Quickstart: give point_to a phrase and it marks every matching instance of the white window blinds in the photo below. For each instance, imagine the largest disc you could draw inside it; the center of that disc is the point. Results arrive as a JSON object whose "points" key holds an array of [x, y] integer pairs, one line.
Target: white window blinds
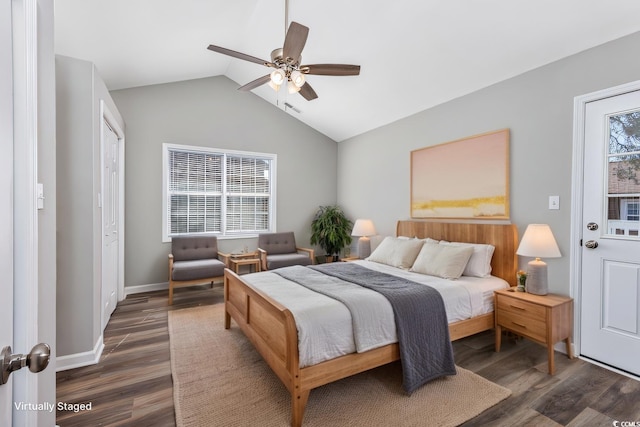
{"points": [[217, 191]]}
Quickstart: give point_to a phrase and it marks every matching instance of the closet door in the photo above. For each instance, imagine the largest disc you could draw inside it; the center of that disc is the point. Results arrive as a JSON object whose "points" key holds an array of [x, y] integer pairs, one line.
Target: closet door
{"points": [[110, 220]]}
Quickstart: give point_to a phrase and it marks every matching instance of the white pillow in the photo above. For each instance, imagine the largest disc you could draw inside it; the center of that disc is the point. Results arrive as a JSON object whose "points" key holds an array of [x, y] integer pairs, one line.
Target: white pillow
{"points": [[426, 239], [479, 264], [444, 261], [396, 252]]}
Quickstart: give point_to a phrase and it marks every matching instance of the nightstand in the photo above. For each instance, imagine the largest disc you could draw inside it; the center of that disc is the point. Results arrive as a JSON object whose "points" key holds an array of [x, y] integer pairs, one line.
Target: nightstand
{"points": [[349, 258], [545, 319]]}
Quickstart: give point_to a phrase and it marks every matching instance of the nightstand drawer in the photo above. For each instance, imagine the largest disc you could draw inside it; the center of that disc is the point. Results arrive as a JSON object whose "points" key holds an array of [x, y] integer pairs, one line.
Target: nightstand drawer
{"points": [[523, 308], [523, 324]]}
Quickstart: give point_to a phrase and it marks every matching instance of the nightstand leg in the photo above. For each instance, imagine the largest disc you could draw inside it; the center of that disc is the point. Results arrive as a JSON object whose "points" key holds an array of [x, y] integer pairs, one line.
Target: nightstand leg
{"points": [[498, 338], [552, 367], [569, 348]]}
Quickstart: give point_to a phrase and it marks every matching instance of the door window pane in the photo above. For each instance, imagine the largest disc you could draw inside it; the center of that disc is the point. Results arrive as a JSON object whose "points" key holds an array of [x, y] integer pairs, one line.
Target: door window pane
{"points": [[623, 183]]}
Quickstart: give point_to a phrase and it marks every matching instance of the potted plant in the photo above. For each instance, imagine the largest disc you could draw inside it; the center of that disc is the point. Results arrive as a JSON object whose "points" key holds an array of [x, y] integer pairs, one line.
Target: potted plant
{"points": [[331, 229]]}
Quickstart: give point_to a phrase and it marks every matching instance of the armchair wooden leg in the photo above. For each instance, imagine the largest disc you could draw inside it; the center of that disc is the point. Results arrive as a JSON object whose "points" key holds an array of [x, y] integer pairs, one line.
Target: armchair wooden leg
{"points": [[170, 293]]}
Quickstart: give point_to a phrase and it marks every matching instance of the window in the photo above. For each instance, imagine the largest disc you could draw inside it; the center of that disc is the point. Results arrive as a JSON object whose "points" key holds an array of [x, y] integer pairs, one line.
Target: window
{"points": [[228, 193], [631, 209]]}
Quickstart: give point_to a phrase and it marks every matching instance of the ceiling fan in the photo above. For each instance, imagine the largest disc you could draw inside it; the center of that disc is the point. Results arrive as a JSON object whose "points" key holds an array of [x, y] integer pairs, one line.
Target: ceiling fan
{"points": [[286, 64]]}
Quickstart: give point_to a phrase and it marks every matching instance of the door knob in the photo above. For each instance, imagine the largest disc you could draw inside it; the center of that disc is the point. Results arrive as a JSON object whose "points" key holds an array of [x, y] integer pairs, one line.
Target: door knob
{"points": [[591, 244], [37, 360]]}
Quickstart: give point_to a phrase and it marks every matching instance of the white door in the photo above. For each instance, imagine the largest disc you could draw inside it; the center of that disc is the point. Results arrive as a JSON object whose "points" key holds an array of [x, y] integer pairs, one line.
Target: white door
{"points": [[6, 202], [610, 290], [110, 221]]}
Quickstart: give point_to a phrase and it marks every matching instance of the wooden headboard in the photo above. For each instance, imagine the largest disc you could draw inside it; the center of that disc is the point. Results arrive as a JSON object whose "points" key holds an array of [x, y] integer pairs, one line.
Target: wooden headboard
{"points": [[504, 237]]}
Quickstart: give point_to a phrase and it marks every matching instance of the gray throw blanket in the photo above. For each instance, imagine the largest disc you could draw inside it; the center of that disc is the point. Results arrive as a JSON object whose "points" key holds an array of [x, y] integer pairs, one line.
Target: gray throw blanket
{"points": [[421, 320]]}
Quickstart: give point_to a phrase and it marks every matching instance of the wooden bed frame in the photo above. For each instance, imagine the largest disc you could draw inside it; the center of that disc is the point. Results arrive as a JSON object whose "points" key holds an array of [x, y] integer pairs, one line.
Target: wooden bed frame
{"points": [[272, 329]]}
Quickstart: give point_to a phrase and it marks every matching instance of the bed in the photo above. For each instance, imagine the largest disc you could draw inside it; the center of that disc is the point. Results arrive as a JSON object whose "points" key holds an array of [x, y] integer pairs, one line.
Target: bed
{"points": [[271, 327]]}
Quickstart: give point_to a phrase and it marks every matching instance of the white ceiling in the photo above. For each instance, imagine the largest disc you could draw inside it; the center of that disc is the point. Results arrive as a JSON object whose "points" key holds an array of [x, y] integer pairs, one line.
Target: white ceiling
{"points": [[414, 54]]}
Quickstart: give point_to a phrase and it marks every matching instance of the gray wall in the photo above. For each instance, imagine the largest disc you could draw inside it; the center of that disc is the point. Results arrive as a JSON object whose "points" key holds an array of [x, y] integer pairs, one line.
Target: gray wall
{"points": [[212, 113], [537, 107], [79, 90]]}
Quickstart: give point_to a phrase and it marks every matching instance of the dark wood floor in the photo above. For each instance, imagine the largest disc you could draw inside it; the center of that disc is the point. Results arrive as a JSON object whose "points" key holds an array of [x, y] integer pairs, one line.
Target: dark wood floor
{"points": [[131, 385]]}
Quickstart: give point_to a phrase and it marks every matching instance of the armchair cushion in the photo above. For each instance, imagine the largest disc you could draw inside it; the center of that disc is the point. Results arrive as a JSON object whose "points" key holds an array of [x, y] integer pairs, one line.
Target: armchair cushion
{"points": [[287, 260], [278, 243], [197, 269], [194, 247]]}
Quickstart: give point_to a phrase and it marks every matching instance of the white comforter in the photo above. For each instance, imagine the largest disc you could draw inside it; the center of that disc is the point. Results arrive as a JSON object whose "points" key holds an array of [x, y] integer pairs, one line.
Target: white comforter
{"points": [[325, 327]]}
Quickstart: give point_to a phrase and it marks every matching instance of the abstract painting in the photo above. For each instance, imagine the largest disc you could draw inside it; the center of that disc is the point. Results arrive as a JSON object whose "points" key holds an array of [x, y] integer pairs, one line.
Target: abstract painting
{"points": [[467, 178]]}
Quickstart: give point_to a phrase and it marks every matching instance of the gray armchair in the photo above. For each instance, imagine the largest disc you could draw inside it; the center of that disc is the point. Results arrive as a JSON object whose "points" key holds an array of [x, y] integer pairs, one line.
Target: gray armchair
{"points": [[194, 260], [279, 250]]}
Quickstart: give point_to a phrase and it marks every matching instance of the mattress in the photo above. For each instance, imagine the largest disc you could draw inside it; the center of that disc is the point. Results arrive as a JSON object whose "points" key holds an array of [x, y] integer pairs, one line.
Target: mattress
{"points": [[325, 329]]}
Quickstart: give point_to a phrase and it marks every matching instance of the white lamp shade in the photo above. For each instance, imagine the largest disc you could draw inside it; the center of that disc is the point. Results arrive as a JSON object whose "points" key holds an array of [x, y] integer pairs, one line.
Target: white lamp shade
{"points": [[297, 78], [538, 241], [363, 227], [278, 77], [292, 88]]}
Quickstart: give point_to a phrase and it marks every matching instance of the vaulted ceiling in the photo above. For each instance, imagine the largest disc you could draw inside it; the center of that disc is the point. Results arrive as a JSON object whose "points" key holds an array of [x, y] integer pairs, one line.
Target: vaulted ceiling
{"points": [[414, 54]]}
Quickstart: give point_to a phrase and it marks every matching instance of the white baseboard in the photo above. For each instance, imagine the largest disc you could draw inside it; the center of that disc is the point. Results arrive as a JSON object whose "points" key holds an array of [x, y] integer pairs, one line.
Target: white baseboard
{"points": [[130, 290], [561, 347], [78, 360]]}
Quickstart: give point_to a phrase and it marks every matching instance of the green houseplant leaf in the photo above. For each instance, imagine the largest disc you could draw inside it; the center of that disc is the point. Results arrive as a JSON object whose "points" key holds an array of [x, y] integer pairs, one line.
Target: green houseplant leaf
{"points": [[331, 229]]}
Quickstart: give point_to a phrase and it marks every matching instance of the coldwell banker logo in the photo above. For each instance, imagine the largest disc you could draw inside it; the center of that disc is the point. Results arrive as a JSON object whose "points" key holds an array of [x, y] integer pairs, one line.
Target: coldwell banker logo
{"points": [[626, 424]]}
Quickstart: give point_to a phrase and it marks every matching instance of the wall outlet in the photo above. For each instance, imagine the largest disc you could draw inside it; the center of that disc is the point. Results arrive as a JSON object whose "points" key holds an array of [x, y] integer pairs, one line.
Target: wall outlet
{"points": [[554, 202]]}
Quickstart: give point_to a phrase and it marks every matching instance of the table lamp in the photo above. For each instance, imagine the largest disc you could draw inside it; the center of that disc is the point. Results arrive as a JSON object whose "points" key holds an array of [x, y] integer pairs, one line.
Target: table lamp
{"points": [[363, 228], [538, 242]]}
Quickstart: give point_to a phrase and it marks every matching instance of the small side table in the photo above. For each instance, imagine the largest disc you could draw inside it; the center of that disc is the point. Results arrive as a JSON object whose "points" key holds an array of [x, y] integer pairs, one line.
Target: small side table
{"points": [[545, 319], [250, 259], [350, 258]]}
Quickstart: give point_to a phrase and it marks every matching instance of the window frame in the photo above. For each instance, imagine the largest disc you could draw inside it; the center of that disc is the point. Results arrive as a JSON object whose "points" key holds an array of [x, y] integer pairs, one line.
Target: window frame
{"points": [[223, 234]]}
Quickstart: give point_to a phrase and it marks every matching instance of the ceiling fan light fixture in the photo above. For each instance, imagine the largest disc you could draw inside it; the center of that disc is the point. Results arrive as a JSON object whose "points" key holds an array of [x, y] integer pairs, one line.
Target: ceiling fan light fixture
{"points": [[285, 63], [278, 77], [273, 85], [297, 78], [292, 87]]}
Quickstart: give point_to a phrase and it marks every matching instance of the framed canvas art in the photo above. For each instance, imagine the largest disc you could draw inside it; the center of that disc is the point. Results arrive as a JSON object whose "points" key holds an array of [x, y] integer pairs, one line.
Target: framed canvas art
{"points": [[466, 179]]}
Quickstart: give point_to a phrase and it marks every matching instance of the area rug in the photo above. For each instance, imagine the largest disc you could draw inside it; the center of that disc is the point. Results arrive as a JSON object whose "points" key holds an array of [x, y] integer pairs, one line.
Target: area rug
{"points": [[220, 380]]}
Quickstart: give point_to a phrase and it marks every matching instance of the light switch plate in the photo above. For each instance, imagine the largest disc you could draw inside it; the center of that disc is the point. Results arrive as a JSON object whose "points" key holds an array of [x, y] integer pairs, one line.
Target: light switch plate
{"points": [[554, 202]]}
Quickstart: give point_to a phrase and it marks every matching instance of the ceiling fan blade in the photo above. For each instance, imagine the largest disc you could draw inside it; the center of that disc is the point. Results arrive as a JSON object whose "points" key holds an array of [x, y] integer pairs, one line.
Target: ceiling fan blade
{"points": [[331, 69], [294, 41], [254, 84], [307, 92], [239, 55]]}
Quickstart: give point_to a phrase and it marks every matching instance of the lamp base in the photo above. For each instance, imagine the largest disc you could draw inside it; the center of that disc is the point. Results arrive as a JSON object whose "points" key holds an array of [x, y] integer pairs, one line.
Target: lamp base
{"points": [[537, 282], [364, 247]]}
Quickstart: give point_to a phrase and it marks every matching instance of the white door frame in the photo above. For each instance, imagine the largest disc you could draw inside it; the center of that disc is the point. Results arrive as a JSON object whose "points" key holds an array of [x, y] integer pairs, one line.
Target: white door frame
{"points": [[25, 174], [577, 187], [106, 114], [6, 202]]}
